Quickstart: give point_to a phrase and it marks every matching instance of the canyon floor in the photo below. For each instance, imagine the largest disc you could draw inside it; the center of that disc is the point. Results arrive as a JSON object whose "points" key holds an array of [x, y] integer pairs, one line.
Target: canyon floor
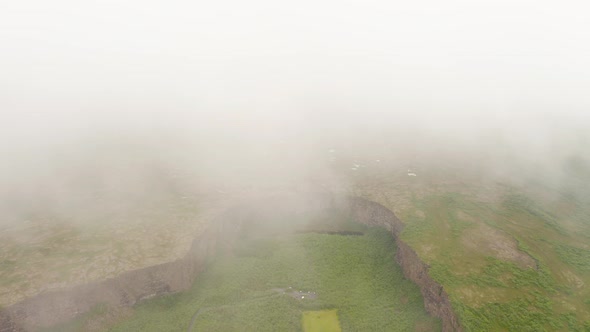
{"points": [[347, 282]]}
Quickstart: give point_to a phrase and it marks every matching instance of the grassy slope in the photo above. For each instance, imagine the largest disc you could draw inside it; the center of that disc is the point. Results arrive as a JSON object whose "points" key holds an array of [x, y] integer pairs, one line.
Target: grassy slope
{"points": [[51, 253], [494, 294], [354, 274], [443, 207]]}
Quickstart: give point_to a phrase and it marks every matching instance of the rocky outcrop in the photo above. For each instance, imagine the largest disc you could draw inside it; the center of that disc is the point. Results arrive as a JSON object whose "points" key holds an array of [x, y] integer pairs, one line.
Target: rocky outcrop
{"points": [[127, 289], [436, 300], [132, 287]]}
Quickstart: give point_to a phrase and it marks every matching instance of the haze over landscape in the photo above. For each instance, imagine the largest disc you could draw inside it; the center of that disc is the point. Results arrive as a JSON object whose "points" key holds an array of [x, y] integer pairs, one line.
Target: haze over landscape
{"points": [[129, 130]]}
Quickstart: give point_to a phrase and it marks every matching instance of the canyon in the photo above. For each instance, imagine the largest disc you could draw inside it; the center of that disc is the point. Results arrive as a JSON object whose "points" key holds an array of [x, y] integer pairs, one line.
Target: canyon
{"points": [[129, 288]]}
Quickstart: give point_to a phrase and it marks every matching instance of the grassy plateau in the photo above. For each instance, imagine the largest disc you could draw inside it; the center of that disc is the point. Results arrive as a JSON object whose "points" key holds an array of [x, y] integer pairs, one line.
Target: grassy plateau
{"points": [[511, 257]]}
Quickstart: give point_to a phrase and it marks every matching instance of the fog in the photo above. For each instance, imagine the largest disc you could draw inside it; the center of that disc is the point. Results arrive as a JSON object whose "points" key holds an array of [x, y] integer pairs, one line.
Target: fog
{"points": [[105, 94]]}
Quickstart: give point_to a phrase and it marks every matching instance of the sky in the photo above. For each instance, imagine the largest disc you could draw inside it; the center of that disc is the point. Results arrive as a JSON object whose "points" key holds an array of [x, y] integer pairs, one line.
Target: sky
{"points": [[513, 74]]}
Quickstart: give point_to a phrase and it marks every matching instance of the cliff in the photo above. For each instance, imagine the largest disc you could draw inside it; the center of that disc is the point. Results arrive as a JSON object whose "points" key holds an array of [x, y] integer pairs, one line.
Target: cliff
{"points": [[436, 300], [130, 288], [127, 289]]}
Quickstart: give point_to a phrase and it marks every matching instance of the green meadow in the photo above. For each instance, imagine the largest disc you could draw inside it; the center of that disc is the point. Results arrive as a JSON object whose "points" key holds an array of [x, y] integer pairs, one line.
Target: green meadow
{"points": [[508, 266], [294, 282]]}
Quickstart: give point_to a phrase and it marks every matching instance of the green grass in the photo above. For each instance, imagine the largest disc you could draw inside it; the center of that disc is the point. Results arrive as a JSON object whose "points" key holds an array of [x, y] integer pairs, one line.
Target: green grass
{"points": [[577, 257], [491, 294], [321, 321], [355, 275]]}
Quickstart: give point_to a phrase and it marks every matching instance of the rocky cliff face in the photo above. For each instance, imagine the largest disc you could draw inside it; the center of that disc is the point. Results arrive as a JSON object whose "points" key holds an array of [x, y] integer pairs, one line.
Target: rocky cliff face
{"points": [[130, 288], [436, 300], [126, 289]]}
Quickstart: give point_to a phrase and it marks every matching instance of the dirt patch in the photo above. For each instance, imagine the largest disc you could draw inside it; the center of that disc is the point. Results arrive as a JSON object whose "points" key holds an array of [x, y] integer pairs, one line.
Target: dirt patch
{"points": [[490, 241], [477, 297], [573, 279], [428, 251], [464, 216]]}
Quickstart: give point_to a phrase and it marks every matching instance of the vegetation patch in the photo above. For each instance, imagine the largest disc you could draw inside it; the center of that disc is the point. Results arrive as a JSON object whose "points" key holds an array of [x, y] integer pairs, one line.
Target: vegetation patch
{"points": [[507, 266], [321, 321], [304, 273], [576, 257]]}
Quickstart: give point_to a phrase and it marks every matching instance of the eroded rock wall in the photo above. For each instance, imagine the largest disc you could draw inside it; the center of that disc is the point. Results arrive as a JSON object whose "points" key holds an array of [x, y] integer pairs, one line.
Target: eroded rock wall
{"points": [[436, 300], [131, 287], [127, 289]]}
